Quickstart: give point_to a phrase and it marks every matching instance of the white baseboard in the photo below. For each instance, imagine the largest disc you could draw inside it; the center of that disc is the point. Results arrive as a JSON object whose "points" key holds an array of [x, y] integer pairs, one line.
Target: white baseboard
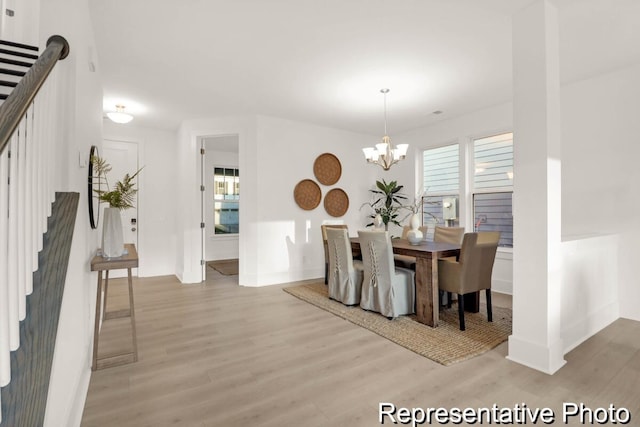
{"points": [[75, 416], [502, 286], [253, 280], [547, 359], [188, 277], [583, 328]]}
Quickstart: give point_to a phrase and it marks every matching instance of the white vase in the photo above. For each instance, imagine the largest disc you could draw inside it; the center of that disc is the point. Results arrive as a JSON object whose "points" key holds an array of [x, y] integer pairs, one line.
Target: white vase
{"points": [[414, 235], [112, 235], [377, 221]]}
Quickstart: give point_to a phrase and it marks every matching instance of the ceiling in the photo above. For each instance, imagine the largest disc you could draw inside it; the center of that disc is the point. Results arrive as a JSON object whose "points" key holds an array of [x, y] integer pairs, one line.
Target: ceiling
{"points": [[325, 62]]}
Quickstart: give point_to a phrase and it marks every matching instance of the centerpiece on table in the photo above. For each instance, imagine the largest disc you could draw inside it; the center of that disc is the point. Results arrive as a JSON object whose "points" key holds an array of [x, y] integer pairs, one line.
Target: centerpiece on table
{"points": [[415, 235], [119, 198]]}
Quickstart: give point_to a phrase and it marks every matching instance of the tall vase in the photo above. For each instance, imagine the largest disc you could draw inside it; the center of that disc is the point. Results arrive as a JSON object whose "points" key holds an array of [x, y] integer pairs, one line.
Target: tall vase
{"points": [[377, 222], [112, 235], [414, 235]]}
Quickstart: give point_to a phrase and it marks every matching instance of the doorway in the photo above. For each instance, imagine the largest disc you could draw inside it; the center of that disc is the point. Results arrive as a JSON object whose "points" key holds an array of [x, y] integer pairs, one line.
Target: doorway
{"points": [[123, 158], [220, 201]]}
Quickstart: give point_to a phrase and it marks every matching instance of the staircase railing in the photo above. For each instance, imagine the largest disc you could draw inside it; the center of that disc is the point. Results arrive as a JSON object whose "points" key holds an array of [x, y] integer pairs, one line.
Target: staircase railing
{"points": [[26, 189], [14, 108]]}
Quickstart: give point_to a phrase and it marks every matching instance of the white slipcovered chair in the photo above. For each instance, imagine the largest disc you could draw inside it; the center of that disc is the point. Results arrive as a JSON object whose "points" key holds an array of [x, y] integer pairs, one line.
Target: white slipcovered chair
{"points": [[386, 289], [324, 228], [345, 274]]}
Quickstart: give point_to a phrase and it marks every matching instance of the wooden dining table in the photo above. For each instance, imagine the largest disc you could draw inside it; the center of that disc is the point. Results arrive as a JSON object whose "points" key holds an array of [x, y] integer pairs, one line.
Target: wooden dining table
{"points": [[427, 255]]}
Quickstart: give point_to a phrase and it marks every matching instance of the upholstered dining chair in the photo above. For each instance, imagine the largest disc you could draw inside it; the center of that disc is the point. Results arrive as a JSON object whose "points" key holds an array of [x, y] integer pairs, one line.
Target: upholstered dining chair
{"points": [[472, 272], [448, 234], [453, 235], [406, 261], [323, 228], [386, 289], [345, 274]]}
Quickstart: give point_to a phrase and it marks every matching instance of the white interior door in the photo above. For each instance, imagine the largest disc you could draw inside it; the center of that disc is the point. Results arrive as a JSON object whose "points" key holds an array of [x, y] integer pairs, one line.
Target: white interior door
{"points": [[123, 158]]}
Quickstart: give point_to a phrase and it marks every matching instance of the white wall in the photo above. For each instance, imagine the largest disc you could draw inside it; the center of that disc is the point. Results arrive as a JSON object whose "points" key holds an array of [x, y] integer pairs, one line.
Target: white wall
{"points": [[188, 218], [600, 174], [156, 196], [221, 246], [288, 237], [79, 114], [461, 129], [280, 242], [22, 27], [590, 280]]}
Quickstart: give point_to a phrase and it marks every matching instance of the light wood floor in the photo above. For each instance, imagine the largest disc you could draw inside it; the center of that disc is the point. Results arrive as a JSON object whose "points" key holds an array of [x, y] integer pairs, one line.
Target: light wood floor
{"points": [[218, 354]]}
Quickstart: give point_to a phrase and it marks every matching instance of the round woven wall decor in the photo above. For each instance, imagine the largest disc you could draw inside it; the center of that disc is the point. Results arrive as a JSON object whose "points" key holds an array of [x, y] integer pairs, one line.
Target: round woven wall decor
{"points": [[327, 169], [336, 202], [307, 194]]}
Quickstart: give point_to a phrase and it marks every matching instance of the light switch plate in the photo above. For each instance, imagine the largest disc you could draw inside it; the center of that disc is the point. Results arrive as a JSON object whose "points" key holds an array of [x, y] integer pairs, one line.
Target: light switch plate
{"points": [[83, 159]]}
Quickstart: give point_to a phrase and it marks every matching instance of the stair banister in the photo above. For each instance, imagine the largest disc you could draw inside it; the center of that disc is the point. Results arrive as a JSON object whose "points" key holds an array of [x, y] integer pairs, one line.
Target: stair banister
{"points": [[27, 140], [14, 108]]}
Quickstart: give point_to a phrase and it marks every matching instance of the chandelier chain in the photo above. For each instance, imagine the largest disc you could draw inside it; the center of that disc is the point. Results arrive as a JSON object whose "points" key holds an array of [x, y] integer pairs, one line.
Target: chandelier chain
{"points": [[385, 111]]}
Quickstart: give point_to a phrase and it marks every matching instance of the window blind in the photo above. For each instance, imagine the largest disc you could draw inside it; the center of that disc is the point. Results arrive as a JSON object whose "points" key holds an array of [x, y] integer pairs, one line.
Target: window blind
{"points": [[493, 186], [493, 160], [441, 167]]}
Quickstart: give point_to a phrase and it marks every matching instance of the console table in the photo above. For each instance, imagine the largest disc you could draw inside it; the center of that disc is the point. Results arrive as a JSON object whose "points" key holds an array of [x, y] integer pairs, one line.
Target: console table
{"points": [[100, 264]]}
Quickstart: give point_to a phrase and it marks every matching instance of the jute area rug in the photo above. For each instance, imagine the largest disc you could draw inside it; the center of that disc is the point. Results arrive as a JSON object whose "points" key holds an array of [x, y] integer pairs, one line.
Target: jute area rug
{"points": [[228, 267], [446, 344]]}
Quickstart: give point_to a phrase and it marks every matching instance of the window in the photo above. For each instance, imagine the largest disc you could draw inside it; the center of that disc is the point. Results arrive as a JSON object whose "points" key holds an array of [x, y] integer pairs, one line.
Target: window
{"points": [[226, 196], [488, 186], [441, 167], [493, 186]]}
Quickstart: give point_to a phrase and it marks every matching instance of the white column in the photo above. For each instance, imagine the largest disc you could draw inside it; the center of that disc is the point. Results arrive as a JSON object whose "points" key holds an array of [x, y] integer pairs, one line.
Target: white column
{"points": [[536, 340]]}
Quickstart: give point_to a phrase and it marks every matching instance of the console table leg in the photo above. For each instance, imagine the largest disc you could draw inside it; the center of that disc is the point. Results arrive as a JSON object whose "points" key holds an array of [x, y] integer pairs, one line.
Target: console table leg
{"points": [[106, 292], [96, 327], [134, 337]]}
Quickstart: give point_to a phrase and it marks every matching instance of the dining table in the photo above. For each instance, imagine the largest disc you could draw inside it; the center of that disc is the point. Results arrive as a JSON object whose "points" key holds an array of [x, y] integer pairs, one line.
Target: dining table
{"points": [[427, 254]]}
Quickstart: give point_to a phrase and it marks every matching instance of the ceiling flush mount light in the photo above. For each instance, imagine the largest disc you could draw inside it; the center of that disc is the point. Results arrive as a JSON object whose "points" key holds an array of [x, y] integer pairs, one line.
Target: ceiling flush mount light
{"points": [[384, 154], [119, 116]]}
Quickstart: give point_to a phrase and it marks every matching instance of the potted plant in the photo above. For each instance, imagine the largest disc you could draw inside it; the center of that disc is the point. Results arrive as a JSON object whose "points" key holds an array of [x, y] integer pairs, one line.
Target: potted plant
{"points": [[120, 197], [387, 203]]}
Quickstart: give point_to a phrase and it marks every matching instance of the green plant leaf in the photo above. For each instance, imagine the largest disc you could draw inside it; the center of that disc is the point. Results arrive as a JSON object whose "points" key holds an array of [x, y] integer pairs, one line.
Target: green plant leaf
{"points": [[122, 195]]}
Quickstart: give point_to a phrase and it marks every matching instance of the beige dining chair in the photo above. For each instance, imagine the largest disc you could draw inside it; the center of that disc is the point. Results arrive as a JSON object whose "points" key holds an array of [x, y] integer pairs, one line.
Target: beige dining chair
{"points": [[448, 234], [345, 274], [453, 235], [406, 261], [323, 228], [472, 272], [386, 289]]}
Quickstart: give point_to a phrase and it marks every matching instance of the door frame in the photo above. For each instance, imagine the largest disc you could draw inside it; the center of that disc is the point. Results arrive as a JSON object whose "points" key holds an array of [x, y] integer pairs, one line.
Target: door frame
{"points": [[203, 194], [139, 203]]}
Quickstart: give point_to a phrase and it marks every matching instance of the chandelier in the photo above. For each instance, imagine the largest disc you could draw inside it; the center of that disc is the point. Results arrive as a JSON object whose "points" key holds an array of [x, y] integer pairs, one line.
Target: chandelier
{"points": [[384, 154]]}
